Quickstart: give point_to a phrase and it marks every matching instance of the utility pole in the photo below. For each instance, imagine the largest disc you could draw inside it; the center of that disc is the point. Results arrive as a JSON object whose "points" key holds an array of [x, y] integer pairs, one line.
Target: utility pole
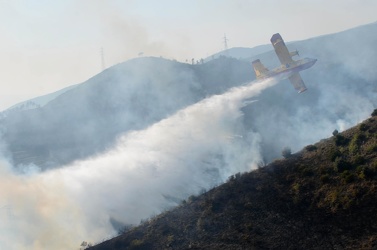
{"points": [[103, 60], [225, 42]]}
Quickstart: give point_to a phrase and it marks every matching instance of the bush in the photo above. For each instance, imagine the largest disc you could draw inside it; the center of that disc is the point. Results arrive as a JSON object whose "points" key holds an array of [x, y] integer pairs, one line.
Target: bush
{"points": [[356, 141], [137, 242], [358, 160], [360, 170], [335, 132], [310, 148], [307, 171], [340, 140], [372, 148], [348, 177], [286, 153], [370, 172], [334, 154], [363, 127], [325, 178], [192, 198], [261, 164], [125, 229], [374, 113], [342, 165]]}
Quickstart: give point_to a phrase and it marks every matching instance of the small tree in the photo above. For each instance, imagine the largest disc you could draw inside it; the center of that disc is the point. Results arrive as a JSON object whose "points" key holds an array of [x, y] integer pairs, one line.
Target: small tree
{"points": [[335, 132], [286, 152], [374, 112]]}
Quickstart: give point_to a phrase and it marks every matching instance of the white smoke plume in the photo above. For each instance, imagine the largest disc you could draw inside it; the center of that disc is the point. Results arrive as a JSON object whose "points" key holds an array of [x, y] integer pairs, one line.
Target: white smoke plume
{"points": [[146, 172]]}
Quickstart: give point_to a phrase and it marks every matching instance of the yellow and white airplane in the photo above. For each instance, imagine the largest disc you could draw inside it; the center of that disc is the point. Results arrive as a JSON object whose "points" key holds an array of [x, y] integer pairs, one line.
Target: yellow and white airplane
{"points": [[289, 68]]}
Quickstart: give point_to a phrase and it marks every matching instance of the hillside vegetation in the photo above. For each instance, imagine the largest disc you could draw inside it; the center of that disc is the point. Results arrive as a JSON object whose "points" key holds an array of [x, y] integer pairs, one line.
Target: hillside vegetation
{"points": [[323, 197]]}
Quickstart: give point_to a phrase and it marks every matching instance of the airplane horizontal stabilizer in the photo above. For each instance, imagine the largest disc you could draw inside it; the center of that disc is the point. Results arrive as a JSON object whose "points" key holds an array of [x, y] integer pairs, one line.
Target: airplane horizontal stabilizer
{"points": [[260, 69]]}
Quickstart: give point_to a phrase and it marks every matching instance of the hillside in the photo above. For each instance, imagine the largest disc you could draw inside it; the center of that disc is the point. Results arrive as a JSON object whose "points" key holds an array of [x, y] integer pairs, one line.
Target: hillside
{"points": [[36, 102], [322, 197], [88, 119]]}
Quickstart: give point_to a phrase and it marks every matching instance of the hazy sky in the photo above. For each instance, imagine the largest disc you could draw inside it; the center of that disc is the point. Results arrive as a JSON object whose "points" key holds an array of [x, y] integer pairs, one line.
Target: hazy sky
{"points": [[47, 45]]}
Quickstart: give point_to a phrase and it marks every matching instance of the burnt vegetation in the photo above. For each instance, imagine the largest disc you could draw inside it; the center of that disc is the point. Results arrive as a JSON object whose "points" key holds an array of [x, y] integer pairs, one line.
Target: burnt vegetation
{"points": [[323, 197]]}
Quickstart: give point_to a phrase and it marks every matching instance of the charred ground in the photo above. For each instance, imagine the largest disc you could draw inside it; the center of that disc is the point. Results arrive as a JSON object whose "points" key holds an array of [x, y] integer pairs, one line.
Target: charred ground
{"points": [[323, 197]]}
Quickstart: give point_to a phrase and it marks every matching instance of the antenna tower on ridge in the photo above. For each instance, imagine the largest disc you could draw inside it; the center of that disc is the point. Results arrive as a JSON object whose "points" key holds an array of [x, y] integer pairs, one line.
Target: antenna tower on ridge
{"points": [[225, 42]]}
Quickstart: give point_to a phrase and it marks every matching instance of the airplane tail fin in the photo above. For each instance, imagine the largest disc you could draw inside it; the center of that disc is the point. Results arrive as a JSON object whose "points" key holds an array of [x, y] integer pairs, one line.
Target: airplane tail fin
{"points": [[259, 68]]}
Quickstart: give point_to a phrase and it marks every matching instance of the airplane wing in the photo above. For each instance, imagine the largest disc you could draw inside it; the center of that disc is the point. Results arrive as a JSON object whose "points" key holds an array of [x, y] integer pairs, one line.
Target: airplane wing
{"points": [[297, 82], [281, 49]]}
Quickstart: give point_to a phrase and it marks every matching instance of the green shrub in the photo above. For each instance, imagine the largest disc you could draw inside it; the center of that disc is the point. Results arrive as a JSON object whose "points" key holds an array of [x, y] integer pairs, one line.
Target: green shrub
{"points": [[231, 178], [137, 242], [347, 176], [363, 127], [340, 140], [286, 153], [335, 132], [361, 176], [307, 171], [374, 113], [372, 148], [370, 172], [358, 160], [170, 239], [296, 188], [125, 229], [332, 197], [325, 178], [342, 165], [356, 141], [216, 206], [334, 153], [325, 169], [353, 148], [192, 198], [310, 148], [360, 170]]}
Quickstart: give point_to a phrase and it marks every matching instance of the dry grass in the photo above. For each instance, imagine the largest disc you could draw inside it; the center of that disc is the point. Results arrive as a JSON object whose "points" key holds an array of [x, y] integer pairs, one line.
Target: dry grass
{"points": [[323, 197]]}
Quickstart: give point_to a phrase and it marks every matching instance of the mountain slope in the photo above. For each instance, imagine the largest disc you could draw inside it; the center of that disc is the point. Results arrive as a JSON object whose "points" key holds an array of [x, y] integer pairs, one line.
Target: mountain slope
{"points": [[36, 102], [130, 96], [88, 119], [241, 53], [323, 197]]}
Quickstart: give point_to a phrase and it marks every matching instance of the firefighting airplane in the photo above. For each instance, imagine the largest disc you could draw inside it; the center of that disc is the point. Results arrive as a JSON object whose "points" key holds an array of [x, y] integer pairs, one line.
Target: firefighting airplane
{"points": [[289, 68]]}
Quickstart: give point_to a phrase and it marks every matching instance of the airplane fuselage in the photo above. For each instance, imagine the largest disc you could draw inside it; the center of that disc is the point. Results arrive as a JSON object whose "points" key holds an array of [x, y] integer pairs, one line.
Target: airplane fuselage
{"points": [[290, 68]]}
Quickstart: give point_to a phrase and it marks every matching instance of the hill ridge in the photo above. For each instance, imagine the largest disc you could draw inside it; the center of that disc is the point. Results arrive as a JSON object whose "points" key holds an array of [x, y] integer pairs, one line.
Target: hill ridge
{"points": [[322, 197]]}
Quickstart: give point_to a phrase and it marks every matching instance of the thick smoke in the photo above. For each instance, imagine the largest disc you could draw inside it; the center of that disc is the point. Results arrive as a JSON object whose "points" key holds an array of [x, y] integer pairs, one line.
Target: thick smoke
{"points": [[152, 168], [148, 171], [133, 95]]}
